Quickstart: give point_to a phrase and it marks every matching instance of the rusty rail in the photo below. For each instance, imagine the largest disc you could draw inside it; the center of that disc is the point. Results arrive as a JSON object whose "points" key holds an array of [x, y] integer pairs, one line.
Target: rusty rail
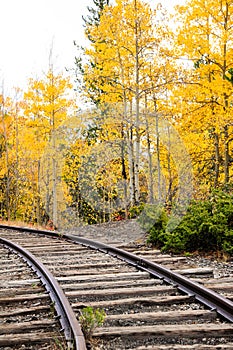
{"points": [[211, 299], [70, 326]]}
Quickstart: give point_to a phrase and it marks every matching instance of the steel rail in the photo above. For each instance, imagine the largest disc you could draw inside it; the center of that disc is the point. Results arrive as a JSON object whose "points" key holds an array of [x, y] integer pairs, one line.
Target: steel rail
{"points": [[216, 302], [70, 326]]}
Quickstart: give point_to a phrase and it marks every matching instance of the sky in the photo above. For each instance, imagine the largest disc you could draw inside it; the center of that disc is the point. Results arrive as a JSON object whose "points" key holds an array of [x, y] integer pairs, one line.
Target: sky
{"points": [[30, 28]]}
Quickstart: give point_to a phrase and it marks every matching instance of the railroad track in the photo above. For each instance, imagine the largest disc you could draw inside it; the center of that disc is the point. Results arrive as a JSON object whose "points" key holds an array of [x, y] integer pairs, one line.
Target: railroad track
{"points": [[34, 310], [147, 306]]}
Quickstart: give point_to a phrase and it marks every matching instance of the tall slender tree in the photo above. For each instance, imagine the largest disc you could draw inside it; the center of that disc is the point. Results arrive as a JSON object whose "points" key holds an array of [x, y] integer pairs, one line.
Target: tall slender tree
{"points": [[91, 22], [205, 40], [48, 105], [127, 53]]}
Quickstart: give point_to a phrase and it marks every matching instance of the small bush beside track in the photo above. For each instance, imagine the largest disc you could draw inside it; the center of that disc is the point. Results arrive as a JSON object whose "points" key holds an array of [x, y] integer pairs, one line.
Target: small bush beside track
{"points": [[206, 226]]}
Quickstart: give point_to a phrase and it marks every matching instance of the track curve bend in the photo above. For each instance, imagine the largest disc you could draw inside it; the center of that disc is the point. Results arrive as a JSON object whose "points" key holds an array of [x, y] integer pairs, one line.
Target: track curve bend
{"points": [[147, 305], [69, 325]]}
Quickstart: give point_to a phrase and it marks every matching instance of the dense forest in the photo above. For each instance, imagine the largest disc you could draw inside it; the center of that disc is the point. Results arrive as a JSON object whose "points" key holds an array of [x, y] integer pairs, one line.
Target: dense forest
{"points": [[154, 138]]}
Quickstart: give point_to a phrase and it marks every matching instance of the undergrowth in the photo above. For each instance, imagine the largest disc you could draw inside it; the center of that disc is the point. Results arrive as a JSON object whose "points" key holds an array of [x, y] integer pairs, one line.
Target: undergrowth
{"points": [[207, 226], [90, 319]]}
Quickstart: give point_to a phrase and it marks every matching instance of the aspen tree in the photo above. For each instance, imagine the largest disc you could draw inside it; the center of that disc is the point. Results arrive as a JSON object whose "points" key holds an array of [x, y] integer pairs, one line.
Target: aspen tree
{"points": [[205, 39], [6, 166], [124, 49], [48, 105], [11, 170]]}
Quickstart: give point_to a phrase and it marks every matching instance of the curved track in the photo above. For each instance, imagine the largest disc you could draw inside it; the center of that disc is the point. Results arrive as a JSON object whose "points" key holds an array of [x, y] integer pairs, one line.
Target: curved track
{"points": [[163, 312], [59, 305]]}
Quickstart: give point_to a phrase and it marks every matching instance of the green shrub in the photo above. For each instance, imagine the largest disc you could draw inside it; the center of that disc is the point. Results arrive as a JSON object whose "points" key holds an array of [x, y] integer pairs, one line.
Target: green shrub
{"points": [[154, 219], [90, 319], [227, 243], [207, 226], [135, 211]]}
